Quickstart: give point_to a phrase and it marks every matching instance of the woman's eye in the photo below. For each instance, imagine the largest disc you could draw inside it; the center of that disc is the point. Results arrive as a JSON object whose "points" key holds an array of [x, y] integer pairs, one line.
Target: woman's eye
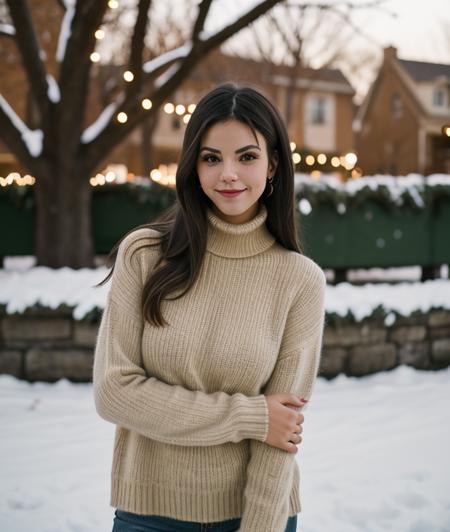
{"points": [[208, 158], [212, 158]]}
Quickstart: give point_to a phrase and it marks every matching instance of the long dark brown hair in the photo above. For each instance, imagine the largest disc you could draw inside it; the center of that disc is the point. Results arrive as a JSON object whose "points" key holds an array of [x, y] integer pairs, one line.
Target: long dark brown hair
{"points": [[183, 226]]}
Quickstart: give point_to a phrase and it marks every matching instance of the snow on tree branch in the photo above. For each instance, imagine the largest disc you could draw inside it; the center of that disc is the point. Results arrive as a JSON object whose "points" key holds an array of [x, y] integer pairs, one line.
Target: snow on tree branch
{"points": [[53, 89], [92, 132], [167, 74], [65, 31], [166, 58], [7, 30], [32, 138]]}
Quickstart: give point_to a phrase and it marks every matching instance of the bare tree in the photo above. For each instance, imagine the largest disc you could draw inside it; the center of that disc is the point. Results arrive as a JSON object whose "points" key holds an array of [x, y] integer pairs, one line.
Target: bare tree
{"points": [[60, 153], [312, 33]]}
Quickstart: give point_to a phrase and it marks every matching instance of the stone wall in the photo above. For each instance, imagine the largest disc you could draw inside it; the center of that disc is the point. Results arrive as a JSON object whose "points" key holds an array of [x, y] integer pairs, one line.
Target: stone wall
{"points": [[48, 345]]}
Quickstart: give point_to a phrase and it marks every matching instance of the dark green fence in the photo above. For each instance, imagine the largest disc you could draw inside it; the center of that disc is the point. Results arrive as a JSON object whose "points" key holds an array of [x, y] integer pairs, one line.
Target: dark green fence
{"points": [[370, 233]]}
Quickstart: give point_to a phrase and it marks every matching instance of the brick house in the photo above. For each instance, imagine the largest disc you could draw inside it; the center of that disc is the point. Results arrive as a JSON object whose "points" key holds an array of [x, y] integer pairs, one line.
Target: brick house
{"points": [[317, 106], [399, 126]]}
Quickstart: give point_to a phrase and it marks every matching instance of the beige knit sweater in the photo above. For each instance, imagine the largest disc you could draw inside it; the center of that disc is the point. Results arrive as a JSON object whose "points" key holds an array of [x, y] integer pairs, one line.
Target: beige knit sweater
{"points": [[188, 399]]}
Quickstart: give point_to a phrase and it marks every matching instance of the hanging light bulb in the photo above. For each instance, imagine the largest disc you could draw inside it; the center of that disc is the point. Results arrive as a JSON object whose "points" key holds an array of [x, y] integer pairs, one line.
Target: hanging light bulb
{"points": [[122, 117], [128, 76]]}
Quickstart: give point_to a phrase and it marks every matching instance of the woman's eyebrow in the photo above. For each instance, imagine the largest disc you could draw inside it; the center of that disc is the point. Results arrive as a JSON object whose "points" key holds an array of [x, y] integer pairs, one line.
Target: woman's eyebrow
{"points": [[237, 151]]}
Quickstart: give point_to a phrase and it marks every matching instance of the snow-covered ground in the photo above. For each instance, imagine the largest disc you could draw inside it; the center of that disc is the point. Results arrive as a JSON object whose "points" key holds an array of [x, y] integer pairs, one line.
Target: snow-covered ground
{"points": [[374, 457]]}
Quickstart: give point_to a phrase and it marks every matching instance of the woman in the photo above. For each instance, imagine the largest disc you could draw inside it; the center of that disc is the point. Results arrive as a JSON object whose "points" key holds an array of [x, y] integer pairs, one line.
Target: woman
{"points": [[205, 386]]}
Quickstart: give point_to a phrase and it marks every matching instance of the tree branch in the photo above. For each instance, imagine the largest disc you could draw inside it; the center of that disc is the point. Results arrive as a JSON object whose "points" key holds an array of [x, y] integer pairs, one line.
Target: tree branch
{"points": [[137, 46], [28, 46], [203, 10], [13, 139], [114, 132], [75, 69]]}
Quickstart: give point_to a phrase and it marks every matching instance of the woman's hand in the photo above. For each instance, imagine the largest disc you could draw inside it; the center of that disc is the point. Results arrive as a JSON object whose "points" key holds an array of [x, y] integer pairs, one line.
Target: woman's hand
{"points": [[285, 422]]}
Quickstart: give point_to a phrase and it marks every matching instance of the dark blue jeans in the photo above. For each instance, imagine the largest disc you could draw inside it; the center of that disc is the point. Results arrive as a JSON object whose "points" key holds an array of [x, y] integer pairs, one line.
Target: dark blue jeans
{"points": [[130, 522]]}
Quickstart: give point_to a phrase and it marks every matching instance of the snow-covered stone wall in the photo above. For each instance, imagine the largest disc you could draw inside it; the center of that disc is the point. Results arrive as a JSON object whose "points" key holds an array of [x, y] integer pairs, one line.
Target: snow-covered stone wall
{"points": [[50, 345]]}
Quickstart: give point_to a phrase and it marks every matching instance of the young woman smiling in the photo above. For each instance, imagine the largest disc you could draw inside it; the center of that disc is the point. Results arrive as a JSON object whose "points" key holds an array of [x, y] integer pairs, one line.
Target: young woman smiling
{"points": [[210, 340]]}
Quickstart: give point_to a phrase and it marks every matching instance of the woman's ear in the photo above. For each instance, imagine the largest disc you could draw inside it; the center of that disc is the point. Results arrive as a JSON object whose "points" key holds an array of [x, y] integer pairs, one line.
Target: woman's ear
{"points": [[273, 163]]}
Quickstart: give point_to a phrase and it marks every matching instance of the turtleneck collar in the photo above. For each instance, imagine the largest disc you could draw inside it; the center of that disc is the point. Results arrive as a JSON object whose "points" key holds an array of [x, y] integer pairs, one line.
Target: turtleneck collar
{"points": [[238, 240]]}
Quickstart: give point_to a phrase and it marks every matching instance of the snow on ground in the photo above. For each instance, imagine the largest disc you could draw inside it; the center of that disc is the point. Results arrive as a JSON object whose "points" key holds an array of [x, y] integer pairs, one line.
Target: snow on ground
{"points": [[374, 456]]}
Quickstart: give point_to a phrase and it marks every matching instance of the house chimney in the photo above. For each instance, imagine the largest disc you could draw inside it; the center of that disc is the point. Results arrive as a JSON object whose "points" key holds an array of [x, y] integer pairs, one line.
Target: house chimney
{"points": [[390, 52]]}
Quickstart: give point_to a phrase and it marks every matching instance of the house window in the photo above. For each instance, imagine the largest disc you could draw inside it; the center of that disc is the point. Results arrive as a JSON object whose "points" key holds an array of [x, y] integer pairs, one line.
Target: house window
{"points": [[439, 98], [318, 110], [396, 105]]}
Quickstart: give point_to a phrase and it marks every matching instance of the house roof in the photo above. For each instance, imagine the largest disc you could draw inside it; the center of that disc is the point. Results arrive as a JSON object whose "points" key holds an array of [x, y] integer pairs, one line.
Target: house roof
{"points": [[218, 66], [421, 71]]}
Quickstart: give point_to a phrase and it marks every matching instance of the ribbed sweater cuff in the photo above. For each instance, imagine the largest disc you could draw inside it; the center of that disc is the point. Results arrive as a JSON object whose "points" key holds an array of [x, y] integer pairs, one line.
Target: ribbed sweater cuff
{"points": [[254, 418]]}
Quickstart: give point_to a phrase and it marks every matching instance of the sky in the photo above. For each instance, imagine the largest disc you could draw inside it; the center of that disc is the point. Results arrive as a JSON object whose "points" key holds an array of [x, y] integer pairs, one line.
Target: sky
{"points": [[420, 30]]}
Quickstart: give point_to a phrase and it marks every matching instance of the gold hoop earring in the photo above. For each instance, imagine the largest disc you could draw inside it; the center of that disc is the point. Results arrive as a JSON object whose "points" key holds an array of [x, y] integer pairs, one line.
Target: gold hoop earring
{"points": [[270, 181]]}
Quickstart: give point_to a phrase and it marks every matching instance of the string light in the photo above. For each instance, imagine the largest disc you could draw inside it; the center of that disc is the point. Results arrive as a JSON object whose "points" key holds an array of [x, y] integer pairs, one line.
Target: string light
{"points": [[186, 118], [95, 57], [99, 34], [169, 108], [128, 76], [310, 160], [164, 174], [321, 158], [293, 146], [146, 104], [180, 109], [113, 4], [296, 157], [15, 177], [191, 107], [122, 117], [335, 161]]}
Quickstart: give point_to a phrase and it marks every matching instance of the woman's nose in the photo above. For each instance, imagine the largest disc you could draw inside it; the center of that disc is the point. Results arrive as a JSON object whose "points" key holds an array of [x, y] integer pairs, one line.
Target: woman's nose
{"points": [[229, 171]]}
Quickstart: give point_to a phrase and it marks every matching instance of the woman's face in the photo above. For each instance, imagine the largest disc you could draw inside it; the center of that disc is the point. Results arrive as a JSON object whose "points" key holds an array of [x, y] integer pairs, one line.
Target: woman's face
{"points": [[231, 159]]}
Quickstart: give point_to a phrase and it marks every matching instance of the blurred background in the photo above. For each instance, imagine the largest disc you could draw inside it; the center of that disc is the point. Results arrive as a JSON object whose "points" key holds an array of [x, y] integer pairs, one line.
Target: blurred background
{"points": [[95, 96]]}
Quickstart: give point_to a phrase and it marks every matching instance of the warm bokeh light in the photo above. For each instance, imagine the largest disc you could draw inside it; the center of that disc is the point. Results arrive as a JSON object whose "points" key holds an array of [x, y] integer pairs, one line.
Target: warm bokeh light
{"points": [[95, 57], [122, 117], [146, 104], [99, 34], [321, 158], [296, 157], [169, 108], [128, 76], [335, 161], [180, 109], [310, 160]]}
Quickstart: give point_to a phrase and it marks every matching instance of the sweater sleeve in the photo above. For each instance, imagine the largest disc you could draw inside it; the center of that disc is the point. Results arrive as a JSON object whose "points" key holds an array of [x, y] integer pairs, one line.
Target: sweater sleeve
{"points": [[270, 470], [127, 396]]}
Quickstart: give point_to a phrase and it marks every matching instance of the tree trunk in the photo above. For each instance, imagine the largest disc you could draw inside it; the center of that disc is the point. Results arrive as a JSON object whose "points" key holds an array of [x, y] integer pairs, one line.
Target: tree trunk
{"points": [[147, 149], [64, 235]]}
